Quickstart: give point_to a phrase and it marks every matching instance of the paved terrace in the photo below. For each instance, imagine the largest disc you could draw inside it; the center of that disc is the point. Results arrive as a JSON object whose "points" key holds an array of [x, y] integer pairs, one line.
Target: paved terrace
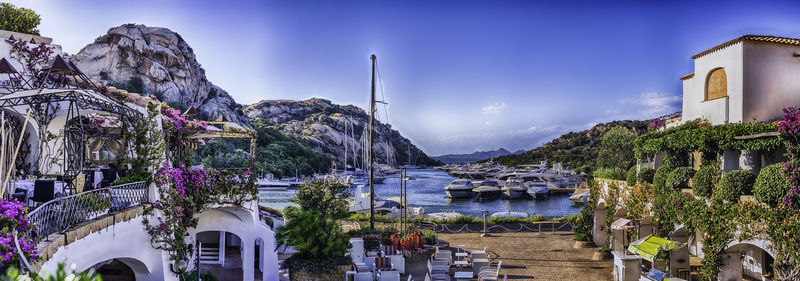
{"points": [[528, 256]]}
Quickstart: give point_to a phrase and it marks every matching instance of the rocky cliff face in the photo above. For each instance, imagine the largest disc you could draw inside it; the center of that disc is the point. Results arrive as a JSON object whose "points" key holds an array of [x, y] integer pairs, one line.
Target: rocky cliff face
{"points": [[165, 64], [167, 67], [330, 128]]}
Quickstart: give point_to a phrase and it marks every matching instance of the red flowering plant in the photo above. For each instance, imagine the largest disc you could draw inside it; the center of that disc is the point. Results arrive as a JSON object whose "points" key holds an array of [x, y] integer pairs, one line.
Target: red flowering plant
{"points": [[177, 130], [14, 217], [186, 192]]}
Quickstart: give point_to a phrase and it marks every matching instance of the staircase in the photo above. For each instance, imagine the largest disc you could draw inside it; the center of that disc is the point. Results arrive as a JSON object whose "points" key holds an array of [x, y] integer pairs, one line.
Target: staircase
{"points": [[209, 254]]}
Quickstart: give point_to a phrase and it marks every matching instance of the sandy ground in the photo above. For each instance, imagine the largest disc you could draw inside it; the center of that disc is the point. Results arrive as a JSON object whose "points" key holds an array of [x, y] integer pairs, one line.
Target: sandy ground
{"points": [[528, 256]]}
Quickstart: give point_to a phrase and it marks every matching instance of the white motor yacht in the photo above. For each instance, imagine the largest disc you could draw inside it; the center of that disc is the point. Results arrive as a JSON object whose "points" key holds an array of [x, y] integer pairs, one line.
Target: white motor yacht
{"points": [[514, 189], [488, 189], [459, 188]]}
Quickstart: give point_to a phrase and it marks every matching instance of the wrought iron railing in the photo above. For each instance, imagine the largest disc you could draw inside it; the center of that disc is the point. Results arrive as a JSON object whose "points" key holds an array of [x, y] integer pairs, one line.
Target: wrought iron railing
{"points": [[60, 214]]}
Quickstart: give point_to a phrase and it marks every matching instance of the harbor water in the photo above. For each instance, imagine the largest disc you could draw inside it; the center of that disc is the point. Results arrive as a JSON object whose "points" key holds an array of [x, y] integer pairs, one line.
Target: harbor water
{"points": [[427, 190]]}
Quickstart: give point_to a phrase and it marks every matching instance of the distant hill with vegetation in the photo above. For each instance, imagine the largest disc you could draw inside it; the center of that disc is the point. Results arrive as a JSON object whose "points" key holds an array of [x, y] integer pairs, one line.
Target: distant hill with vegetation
{"points": [[475, 156], [574, 149]]}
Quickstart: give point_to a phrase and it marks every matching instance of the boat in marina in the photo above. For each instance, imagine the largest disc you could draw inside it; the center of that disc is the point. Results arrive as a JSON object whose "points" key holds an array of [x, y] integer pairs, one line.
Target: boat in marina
{"points": [[514, 189], [487, 190], [579, 197], [538, 190], [459, 188]]}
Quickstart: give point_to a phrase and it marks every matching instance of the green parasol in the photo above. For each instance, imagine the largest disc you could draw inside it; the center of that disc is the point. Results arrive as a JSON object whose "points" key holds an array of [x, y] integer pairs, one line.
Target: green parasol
{"points": [[649, 246]]}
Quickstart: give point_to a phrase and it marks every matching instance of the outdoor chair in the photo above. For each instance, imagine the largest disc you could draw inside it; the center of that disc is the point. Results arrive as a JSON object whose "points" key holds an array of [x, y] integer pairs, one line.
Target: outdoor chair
{"points": [[362, 272], [80, 182], [438, 269], [390, 250], [491, 271], [21, 195], [109, 176], [43, 191], [398, 262], [388, 275]]}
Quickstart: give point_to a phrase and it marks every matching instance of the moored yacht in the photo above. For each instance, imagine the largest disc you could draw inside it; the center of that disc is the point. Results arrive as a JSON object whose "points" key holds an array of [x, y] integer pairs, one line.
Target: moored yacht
{"points": [[538, 190], [488, 189], [459, 188], [514, 189]]}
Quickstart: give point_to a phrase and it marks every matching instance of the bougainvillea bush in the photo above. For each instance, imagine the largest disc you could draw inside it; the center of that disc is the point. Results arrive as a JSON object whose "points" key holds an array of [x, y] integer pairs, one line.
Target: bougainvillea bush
{"points": [[177, 130], [14, 217], [185, 192]]}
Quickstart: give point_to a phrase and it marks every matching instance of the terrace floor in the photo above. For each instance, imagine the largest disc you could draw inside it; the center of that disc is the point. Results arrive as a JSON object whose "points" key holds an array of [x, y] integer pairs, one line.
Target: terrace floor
{"points": [[528, 256]]}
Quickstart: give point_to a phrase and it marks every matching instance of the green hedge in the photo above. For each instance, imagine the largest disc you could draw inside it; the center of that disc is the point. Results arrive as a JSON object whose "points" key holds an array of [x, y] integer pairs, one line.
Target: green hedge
{"points": [[704, 180], [611, 173], [660, 176], [734, 184], [771, 185], [679, 178], [631, 177], [645, 175]]}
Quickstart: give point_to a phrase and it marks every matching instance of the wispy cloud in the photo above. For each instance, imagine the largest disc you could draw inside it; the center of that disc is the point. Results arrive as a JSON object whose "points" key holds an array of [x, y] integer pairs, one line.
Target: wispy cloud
{"points": [[494, 109], [650, 105]]}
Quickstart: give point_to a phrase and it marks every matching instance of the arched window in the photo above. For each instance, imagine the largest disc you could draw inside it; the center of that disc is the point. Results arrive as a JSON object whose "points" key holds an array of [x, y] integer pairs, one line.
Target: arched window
{"points": [[716, 84]]}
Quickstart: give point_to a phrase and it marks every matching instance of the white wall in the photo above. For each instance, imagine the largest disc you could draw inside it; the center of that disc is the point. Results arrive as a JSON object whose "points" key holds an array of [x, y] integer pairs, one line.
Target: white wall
{"points": [[771, 81], [694, 104], [126, 241]]}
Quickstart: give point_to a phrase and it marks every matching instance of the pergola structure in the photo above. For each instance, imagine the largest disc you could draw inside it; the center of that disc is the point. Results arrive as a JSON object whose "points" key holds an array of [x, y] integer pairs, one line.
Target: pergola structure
{"points": [[222, 129], [62, 93]]}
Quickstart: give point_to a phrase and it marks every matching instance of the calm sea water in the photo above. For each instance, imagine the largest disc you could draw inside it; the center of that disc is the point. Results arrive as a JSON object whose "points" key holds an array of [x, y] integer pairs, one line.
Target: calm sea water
{"points": [[427, 191]]}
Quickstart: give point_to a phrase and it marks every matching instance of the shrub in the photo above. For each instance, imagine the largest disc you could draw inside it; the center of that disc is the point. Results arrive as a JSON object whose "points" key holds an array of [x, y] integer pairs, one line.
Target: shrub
{"points": [[631, 177], [617, 148], [430, 237], [677, 159], [770, 186], [583, 225], [20, 19], [645, 175], [610, 173], [660, 176], [704, 180], [733, 184], [679, 178]]}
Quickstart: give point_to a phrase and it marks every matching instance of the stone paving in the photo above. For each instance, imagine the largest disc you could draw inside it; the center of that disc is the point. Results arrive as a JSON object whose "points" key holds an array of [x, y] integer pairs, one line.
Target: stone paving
{"points": [[528, 256]]}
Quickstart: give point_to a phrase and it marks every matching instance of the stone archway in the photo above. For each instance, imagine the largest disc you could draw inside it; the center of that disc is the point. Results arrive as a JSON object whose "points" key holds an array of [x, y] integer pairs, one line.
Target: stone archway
{"points": [[746, 260], [121, 269]]}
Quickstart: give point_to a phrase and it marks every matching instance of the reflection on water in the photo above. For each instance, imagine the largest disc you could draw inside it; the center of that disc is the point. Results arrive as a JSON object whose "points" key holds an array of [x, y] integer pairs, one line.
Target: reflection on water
{"points": [[427, 191]]}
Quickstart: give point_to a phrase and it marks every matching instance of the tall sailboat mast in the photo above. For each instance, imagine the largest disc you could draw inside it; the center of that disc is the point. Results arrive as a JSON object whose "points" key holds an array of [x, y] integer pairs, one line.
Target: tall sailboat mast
{"points": [[371, 153]]}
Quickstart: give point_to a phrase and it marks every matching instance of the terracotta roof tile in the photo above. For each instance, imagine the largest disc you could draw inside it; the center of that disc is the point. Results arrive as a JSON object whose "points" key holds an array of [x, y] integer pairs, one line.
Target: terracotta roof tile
{"points": [[687, 76], [756, 38]]}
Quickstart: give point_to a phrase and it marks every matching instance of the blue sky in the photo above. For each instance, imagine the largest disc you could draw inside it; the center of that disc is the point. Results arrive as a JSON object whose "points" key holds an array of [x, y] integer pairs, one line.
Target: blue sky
{"points": [[459, 76]]}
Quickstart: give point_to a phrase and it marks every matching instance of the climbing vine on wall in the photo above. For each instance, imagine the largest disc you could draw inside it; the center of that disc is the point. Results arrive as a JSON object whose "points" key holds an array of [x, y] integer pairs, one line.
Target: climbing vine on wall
{"points": [[698, 136]]}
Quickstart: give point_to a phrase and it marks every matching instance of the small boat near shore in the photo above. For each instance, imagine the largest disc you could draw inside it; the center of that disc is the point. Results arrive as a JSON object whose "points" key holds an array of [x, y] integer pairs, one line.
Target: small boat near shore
{"points": [[459, 188], [487, 190], [579, 197]]}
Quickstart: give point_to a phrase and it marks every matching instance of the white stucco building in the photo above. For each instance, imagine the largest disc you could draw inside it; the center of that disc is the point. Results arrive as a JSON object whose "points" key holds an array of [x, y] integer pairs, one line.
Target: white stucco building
{"points": [[752, 77]]}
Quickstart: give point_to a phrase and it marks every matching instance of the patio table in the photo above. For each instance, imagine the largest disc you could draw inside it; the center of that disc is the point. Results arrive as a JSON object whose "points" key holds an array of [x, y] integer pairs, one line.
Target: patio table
{"points": [[461, 263], [28, 185], [463, 275]]}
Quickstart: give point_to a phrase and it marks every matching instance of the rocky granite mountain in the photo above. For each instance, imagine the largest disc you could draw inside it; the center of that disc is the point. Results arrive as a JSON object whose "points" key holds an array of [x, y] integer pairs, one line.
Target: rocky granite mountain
{"points": [[155, 60], [475, 156], [329, 128]]}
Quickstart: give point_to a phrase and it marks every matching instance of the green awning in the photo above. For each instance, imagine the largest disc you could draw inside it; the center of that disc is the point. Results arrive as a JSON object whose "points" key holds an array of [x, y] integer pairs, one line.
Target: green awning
{"points": [[649, 246]]}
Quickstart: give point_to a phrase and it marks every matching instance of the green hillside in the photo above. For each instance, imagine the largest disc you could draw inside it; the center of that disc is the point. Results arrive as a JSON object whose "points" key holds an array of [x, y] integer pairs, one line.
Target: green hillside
{"points": [[574, 149]]}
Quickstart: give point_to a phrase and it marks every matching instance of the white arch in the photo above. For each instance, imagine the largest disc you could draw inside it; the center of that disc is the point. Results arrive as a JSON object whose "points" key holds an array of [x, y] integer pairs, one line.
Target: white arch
{"points": [[245, 224], [126, 241]]}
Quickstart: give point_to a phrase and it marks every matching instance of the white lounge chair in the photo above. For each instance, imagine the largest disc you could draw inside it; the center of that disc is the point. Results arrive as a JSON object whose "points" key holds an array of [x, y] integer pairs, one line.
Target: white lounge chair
{"points": [[388, 275]]}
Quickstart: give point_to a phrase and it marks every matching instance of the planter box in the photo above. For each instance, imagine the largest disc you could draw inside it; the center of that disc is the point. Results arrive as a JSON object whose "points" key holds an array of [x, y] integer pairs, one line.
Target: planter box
{"points": [[336, 275]]}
